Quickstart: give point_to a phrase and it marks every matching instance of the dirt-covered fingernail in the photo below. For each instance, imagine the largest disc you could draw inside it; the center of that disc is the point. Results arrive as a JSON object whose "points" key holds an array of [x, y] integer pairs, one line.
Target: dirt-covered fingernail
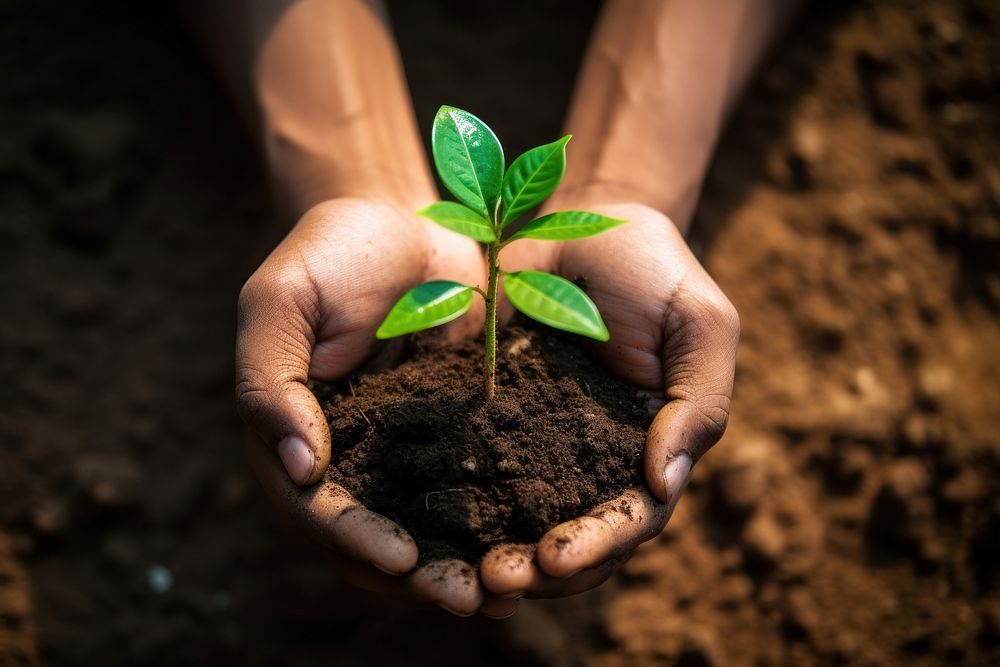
{"points": [[297, 458], [675, 476]]}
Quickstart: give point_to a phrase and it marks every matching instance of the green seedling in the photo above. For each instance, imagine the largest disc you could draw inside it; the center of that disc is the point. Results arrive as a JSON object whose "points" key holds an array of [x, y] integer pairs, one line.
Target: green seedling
{"points": [[470, 161]]}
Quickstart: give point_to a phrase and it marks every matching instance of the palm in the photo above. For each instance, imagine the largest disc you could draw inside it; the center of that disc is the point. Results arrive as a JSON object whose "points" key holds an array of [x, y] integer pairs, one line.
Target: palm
{"points": [[635, 275], [311, 310], [359, 257], [673, 331]]}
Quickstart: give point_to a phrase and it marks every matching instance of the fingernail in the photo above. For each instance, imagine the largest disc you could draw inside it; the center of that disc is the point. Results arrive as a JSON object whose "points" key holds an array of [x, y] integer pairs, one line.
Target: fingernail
{"points": [[675, 476], [297, 458]]}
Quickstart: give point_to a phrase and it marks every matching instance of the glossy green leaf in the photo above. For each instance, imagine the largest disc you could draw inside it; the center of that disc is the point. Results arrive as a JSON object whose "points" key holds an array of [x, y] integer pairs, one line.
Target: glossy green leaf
{"points": [[566, 225], [532, 177], [468, 158], [556, 302], [426, 306], [461, 219]]}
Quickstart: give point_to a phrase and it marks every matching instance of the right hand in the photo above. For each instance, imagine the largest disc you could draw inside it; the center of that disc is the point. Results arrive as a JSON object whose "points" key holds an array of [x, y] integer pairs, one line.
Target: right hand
{"points": [[310, 311], [673, 332]]}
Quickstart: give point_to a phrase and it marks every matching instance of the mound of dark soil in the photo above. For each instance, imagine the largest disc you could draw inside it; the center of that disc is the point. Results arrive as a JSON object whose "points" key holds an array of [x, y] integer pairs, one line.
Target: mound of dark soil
{"points": [[420, 445]]}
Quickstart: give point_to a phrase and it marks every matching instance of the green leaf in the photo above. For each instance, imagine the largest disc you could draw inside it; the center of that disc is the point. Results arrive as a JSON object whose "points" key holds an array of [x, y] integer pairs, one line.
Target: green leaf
{"points": [[566, 225], [556, 302], [469, 159], [426, 306], [532, 177], [461, 219]]}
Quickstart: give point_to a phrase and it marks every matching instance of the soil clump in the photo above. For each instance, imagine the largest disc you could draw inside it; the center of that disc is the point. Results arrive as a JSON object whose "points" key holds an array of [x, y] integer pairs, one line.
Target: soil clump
{"points": [[419, 444]]}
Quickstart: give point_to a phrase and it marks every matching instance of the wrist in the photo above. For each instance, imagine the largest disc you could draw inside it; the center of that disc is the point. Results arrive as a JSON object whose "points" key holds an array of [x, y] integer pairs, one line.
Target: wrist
{"points": [[306, 175], [335, 112]]}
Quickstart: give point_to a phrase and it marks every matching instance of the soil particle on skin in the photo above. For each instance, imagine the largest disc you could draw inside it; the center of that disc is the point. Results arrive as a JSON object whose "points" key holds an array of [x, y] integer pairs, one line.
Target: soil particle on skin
{"points": [[420, 445]]}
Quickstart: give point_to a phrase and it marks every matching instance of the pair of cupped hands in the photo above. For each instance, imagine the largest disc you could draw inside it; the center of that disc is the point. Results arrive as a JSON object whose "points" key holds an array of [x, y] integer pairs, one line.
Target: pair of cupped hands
{"points": [[311, 311]]}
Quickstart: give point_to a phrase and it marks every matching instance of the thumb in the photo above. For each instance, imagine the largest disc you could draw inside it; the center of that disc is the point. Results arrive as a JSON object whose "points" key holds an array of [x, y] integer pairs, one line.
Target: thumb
{"points": [[274, 341], [699, 361]]}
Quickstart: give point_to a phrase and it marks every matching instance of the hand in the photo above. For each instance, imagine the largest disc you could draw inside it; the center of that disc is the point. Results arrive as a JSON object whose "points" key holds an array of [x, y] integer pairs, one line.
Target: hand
{"points": [[311, 310], [673, 332]]}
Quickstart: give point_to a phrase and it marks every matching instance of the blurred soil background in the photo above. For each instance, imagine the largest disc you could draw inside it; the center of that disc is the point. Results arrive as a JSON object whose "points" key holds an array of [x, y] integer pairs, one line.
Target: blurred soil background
{"points": [[850, 516]]}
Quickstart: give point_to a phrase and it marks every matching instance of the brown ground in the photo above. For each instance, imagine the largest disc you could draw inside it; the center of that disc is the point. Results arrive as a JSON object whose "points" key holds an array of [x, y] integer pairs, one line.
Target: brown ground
{"points": [[850, 516]]}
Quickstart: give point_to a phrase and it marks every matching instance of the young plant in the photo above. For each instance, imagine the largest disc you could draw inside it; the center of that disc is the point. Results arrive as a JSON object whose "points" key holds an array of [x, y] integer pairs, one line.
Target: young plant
{"points": [[470, 161]]}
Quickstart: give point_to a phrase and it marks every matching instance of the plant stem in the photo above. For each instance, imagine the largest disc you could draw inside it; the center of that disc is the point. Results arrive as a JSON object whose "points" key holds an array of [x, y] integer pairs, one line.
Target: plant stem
{"points": [[491, 320]]}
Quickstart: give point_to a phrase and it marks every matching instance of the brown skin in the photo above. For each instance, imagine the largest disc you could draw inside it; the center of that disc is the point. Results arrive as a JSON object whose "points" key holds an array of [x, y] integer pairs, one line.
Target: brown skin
{"points": [[652, 99], [673, 331], [347, 159], [311, 310], [323, 80]]}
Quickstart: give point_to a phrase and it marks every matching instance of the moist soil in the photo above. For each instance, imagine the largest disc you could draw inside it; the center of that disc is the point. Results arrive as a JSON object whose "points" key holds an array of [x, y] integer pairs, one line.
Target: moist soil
{"points": [[420, 445]]}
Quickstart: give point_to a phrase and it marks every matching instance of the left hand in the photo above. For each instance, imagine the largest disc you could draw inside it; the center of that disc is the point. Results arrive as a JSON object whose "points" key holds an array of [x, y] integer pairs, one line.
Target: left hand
{"points": [[674, 332], [311, 310]]}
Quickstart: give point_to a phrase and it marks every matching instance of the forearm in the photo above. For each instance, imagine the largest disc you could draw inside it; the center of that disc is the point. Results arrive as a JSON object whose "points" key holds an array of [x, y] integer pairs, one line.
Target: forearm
{"points": [[324, 85], [657, 84]]}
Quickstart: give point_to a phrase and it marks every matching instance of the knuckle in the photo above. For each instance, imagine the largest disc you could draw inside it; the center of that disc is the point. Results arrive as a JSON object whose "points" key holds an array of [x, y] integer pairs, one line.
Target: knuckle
{"points": [[713, 320], [721, 311], [250, 380], [729, 315], [710, 411], [275, 318], [726, 311], [282, 286], [703, 310], [260, 394], [250, 294], [714, 418], [252, 403], [256, 386]]}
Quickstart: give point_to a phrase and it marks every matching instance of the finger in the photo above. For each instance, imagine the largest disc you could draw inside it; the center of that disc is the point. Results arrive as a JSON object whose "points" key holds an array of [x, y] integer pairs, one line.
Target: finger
{"points": [[329, 515], [610, 530], [498, 608], [701, 333], [273, 347], [364, 535], [583, 580], [366, 577], [451, 584], [513, 578], [509, 570], [369, 578]]}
